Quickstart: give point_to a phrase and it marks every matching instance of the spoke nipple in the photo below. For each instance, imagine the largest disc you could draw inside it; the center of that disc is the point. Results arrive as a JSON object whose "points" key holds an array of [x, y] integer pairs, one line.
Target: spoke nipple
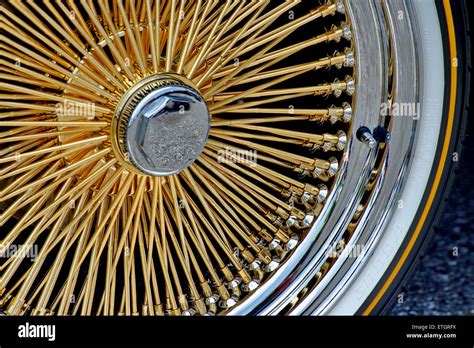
{"points": [[350, 85], [189, 313], [272, 265], [347, 112], [255, 265], [365, 135], [323, 193], [212, 299], [340, 6], [333, 166], [292, 242], [230, 302], [341, 140], [346, 32], [250, 286], [349, 62]]}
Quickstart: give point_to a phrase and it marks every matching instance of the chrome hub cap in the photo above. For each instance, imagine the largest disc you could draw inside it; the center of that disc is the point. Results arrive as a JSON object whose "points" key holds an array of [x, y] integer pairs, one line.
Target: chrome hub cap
{"points": [[162, 125]]}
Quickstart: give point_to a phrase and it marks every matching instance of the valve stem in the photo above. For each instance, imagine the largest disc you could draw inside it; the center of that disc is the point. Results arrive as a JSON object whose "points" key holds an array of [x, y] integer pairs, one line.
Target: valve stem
{"points": [[365, 135]]}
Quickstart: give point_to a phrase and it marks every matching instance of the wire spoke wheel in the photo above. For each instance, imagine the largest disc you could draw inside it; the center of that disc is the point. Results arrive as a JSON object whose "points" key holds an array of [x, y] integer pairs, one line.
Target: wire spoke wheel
{"points": [[172, 157], [114, 239]]}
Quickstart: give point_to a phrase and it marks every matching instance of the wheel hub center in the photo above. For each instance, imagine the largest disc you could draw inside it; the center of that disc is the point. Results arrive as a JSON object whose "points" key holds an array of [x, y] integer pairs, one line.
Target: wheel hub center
{"points": [[161, 125]]}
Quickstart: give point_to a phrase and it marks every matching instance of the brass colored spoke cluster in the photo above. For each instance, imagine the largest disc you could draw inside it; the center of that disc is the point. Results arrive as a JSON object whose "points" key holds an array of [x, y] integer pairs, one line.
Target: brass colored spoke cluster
{"points": [[82, 235]]}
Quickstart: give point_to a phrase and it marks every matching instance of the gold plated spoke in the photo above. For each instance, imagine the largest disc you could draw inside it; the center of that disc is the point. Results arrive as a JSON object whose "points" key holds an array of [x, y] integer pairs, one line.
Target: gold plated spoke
{"points": [[85, 231]]}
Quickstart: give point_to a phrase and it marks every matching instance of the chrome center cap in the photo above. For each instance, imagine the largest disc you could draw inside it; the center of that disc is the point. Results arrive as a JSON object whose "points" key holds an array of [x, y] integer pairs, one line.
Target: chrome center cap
{"points": [[162, 125]]}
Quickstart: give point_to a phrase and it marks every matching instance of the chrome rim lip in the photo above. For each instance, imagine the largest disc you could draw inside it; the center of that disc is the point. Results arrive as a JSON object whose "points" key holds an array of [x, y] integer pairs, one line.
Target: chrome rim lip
{"points": [[371, 90], [396, 165], [309, 256]]}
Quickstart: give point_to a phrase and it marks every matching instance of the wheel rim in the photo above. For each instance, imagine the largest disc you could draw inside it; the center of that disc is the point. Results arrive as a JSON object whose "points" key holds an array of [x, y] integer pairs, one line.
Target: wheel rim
{"points": [[223, 225]]}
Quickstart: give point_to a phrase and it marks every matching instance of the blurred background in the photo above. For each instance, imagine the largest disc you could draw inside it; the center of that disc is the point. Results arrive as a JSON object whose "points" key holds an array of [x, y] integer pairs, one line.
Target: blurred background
{"points": [[443, 283]]}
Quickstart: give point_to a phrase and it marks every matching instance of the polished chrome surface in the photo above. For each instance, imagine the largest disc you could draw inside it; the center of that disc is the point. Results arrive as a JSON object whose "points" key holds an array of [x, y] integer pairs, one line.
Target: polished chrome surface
{"points": [[384, 197], [272, 297], [166, 125]]}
